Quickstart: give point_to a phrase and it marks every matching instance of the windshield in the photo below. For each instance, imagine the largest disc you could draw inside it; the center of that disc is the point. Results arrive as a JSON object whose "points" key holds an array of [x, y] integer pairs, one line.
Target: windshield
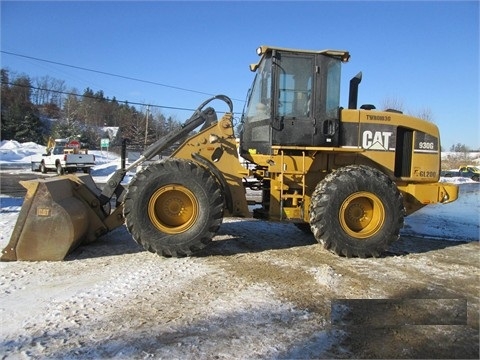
{"points": [[259, 103]]}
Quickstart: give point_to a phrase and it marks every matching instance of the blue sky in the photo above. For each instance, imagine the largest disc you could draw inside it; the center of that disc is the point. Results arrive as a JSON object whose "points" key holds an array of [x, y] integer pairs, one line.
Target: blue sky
{"points": [[424, 55]]}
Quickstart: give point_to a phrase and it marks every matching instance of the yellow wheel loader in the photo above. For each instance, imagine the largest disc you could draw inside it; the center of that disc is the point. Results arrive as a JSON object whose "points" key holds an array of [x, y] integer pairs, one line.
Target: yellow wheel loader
{"points": [[349, 176]]}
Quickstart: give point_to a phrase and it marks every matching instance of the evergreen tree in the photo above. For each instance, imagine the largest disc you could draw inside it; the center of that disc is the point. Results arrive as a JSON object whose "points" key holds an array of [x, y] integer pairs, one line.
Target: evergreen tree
{"points": [[90, 138], [20, 120], [65, 129], [30, 129], [29, 114]]}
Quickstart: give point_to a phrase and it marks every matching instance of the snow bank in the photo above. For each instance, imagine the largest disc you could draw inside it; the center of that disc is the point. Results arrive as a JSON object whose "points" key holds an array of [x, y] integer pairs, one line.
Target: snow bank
{"points": [[13, 151]]}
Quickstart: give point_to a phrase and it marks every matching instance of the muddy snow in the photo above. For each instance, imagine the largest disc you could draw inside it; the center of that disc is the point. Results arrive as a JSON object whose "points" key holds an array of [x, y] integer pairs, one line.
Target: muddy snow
{"points": [[261, 290]]}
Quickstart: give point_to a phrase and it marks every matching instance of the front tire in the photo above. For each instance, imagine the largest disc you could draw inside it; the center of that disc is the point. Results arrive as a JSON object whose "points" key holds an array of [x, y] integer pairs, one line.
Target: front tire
{"points": [[356, 211], [173, 207]]}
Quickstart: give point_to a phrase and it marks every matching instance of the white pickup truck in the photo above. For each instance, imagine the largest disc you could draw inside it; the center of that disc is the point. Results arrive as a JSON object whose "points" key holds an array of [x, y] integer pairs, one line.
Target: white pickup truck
{"points": [[64, 156]]}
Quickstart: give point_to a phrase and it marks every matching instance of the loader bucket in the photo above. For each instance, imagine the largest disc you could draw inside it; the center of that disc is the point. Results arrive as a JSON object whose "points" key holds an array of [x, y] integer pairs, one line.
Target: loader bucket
{"points": [[58, 214]]}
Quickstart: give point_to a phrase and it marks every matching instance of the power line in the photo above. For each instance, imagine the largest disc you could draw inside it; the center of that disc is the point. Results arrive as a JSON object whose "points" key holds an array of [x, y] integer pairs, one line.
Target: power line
{"points": [[126, 102], [95, 98], [109, 74]]}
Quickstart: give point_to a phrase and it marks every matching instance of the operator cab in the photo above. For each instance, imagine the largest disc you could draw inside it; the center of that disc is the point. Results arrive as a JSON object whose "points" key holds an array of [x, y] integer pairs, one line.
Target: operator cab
{"points": [[294, 100]]}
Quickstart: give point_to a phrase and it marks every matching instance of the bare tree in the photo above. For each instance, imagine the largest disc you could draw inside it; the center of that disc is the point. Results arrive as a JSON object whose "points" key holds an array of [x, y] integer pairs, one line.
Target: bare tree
{"points": [[392, 104], [425, 114], [71, 106], [48, 90]]}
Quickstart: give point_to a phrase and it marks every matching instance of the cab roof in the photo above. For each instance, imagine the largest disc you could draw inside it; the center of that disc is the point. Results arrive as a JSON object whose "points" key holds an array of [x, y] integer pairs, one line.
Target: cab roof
{"points": [[342, 55]]}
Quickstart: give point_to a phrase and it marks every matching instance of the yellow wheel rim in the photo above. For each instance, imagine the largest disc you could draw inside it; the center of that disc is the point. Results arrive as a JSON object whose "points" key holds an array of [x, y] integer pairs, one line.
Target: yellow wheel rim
{"points": [[173, 209], [362, 215]]}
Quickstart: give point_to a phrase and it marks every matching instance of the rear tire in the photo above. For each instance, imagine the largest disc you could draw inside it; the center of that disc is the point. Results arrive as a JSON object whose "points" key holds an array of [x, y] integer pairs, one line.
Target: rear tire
{"points": [[43, 168], [60, 169], [356, 211], [173, 207]]}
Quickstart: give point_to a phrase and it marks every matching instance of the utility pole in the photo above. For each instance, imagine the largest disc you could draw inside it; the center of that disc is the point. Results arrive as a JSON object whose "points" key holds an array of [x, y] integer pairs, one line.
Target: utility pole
{"points": [[146, 126]]}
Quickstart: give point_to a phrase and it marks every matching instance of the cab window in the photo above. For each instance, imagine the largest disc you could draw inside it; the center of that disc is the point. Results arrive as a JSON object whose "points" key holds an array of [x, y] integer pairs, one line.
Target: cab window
{"points": [[295, 87]]}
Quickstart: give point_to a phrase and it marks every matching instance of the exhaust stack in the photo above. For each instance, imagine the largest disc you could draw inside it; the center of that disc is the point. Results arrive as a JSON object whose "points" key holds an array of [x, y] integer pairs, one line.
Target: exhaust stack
{"points": [[353, 93]]}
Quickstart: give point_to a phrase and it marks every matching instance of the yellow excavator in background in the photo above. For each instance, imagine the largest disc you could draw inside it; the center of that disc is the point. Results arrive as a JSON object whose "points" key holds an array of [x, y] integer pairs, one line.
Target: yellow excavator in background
{"points": [[349, 176]]}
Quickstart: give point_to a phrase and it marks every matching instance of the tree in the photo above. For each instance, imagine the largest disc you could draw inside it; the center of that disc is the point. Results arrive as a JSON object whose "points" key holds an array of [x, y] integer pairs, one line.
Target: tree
{"points": [[71, 115], [30, 129], [50, 110], [20, 120], [459, 148], [48, 90], [425, 114], [71, 106], [90, 138], [134, 128], [66, 129], [73, 129], [393, 104], [397, 104]]}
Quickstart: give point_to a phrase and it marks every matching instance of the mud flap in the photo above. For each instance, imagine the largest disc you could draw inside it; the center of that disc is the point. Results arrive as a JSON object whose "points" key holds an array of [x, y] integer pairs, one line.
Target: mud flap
{"points": [[58, 214]]}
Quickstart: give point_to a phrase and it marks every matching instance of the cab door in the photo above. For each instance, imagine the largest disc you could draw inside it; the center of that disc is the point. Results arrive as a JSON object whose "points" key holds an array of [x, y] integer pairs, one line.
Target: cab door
{"points": [[293, 120]]}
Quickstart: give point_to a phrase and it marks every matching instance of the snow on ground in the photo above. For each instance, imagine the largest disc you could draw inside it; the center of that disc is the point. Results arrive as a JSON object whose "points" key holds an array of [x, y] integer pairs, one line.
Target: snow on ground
{"points": [[457, 221], [262, 291]]}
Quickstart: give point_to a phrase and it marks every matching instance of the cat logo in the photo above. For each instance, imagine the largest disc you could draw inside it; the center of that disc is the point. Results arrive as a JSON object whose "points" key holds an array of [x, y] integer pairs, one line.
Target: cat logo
{"points": [[45, 212], [376, 140]]}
